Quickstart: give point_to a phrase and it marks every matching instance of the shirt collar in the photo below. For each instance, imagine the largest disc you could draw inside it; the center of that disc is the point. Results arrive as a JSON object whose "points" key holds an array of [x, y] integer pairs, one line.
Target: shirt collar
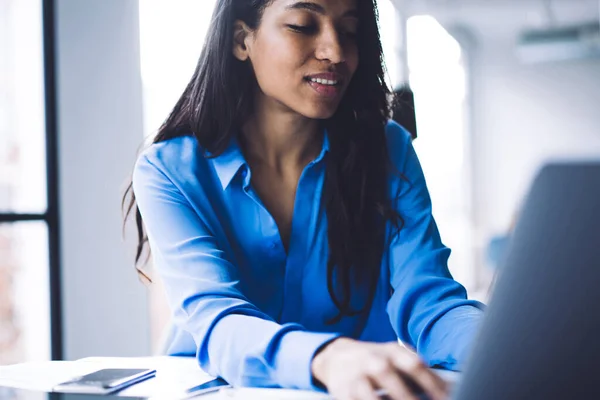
{"points": [[324, 149], [228, 163]]}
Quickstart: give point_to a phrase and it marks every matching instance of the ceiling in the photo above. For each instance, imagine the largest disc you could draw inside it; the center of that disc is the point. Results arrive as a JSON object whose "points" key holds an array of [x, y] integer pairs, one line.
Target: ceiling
{"points": [[495, 2], [538, 13]]}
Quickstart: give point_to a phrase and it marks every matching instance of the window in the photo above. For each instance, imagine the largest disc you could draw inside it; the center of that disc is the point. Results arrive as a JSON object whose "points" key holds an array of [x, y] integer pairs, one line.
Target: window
{"points": [[390, 31], [28, 213], [24, 292], [171, 37], [436, 70], [437, 75], [22, 154]]}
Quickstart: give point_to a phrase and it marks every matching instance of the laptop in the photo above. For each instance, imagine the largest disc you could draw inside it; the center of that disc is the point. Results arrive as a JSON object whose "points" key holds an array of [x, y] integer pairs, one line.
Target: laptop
{"points": [[540, 338]]}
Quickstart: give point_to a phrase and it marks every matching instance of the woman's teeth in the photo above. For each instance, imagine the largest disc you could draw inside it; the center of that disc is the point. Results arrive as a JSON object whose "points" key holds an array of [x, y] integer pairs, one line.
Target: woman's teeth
{"points": [[323, 81]]}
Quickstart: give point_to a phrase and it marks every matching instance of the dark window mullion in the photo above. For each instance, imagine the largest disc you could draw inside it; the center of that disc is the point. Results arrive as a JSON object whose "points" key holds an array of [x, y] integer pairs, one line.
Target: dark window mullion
{"points": [[14, 217], [52, 214]]}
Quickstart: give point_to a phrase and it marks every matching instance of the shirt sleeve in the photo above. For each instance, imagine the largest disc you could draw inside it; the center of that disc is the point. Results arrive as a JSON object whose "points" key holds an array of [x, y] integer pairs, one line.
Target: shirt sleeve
{"points": [[234, 339], [428, 309]]}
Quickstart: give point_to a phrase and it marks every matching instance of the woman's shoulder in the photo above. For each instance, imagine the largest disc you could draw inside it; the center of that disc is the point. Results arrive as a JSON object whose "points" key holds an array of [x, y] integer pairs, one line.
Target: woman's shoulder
{"points": [[174, 152], [395, 131], [399, 142], [181, 160]]}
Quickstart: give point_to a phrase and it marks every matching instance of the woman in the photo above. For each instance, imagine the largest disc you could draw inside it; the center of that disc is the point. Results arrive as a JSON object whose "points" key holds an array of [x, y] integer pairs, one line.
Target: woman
{"points": [[289, 221]]}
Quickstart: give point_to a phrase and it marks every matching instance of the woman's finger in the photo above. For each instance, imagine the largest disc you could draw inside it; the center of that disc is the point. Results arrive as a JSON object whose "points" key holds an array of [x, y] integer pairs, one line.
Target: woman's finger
{"points": [[363, 389], [393, 385], [414, 368]]}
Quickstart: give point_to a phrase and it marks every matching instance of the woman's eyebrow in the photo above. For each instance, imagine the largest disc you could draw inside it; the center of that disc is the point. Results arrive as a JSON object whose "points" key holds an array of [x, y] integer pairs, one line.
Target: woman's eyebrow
{"points": [[317, 8]]}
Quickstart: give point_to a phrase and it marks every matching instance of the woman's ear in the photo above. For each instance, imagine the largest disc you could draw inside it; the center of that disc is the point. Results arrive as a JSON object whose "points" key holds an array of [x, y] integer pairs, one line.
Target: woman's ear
{"points": [[241, 34]]}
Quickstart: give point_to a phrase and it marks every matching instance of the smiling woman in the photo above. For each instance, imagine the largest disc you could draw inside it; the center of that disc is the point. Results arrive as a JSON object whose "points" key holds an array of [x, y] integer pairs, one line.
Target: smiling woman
{"points": [[289, 220]]}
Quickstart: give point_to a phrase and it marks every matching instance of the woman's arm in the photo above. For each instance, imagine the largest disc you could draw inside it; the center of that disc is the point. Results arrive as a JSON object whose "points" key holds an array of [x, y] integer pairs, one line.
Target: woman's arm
{"points": [[234, 339], [428, 309]]}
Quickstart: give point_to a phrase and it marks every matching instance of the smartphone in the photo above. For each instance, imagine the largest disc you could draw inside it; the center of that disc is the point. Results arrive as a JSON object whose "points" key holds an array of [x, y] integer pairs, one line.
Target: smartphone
{"points": [[105, 381], [207, 387]]}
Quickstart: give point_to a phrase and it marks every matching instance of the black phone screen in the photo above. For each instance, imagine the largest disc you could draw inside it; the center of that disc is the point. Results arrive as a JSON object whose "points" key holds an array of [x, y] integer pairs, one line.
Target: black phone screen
{"points": [[109, 377]]}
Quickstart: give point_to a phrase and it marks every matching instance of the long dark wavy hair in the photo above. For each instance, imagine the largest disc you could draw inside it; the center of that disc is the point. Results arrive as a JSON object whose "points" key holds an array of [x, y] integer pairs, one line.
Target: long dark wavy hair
{"points": [[218, 100]]}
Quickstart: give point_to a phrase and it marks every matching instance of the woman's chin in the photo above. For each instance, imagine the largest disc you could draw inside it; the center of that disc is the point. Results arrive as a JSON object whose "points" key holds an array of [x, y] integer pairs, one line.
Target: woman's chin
{"points": [[320, 112]]}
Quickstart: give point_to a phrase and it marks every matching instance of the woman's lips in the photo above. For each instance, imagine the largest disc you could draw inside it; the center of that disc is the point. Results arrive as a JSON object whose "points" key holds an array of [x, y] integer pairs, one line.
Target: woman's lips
{"points": [[326, 84], [329, 91]]}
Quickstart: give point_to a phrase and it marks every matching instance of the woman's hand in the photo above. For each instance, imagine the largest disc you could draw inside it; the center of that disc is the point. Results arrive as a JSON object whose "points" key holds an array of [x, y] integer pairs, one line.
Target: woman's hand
{"points": [[351, 369]]}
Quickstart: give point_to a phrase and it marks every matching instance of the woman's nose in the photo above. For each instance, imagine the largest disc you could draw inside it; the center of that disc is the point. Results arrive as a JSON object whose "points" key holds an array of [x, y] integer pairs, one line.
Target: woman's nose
{"points": [[330, 47]]}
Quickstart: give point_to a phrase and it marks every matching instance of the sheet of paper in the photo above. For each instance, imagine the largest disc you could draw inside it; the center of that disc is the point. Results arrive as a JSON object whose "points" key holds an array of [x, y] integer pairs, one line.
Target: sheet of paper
{"points": [[264, 394], [43, 375]]}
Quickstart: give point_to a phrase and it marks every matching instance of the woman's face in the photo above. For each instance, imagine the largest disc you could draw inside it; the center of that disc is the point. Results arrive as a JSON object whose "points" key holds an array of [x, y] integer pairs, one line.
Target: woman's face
{"points": [[304, 54]]}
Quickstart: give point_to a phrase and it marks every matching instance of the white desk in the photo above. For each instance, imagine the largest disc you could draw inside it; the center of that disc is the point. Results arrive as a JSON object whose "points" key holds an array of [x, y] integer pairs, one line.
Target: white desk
{"points": [[173, 377]]}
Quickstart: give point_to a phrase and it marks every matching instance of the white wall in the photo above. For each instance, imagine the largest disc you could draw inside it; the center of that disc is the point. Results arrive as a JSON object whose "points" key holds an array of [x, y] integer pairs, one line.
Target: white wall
{"points": [[523, 115], [105, 307]]}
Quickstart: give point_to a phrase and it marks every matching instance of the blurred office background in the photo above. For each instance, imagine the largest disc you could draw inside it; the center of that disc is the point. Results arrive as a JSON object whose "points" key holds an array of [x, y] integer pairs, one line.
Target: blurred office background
{"points": [[500, 87]]}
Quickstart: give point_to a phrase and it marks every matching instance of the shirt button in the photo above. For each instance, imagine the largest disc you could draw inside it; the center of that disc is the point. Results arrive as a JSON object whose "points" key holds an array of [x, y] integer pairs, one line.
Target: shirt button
{"points": [[273, 245]]}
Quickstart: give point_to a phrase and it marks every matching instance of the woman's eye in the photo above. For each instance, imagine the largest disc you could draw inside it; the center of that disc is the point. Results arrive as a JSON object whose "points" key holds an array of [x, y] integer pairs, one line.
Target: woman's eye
{"points": [[350, 34], [348, 31], [306, 29]]}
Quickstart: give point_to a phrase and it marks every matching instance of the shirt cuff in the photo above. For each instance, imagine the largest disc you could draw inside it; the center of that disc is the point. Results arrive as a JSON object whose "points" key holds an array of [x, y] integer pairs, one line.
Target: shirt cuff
{"points": [[294, 358], [453, 337]]}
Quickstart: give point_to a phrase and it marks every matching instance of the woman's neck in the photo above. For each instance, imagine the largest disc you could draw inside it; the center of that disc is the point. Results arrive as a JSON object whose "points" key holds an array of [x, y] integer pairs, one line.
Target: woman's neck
{"points": [[279, 138]]}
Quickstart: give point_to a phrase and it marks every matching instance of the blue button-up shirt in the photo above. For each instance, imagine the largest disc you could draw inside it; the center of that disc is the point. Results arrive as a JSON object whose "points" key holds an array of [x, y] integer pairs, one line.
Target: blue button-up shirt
{"points": [[255, 314]]}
